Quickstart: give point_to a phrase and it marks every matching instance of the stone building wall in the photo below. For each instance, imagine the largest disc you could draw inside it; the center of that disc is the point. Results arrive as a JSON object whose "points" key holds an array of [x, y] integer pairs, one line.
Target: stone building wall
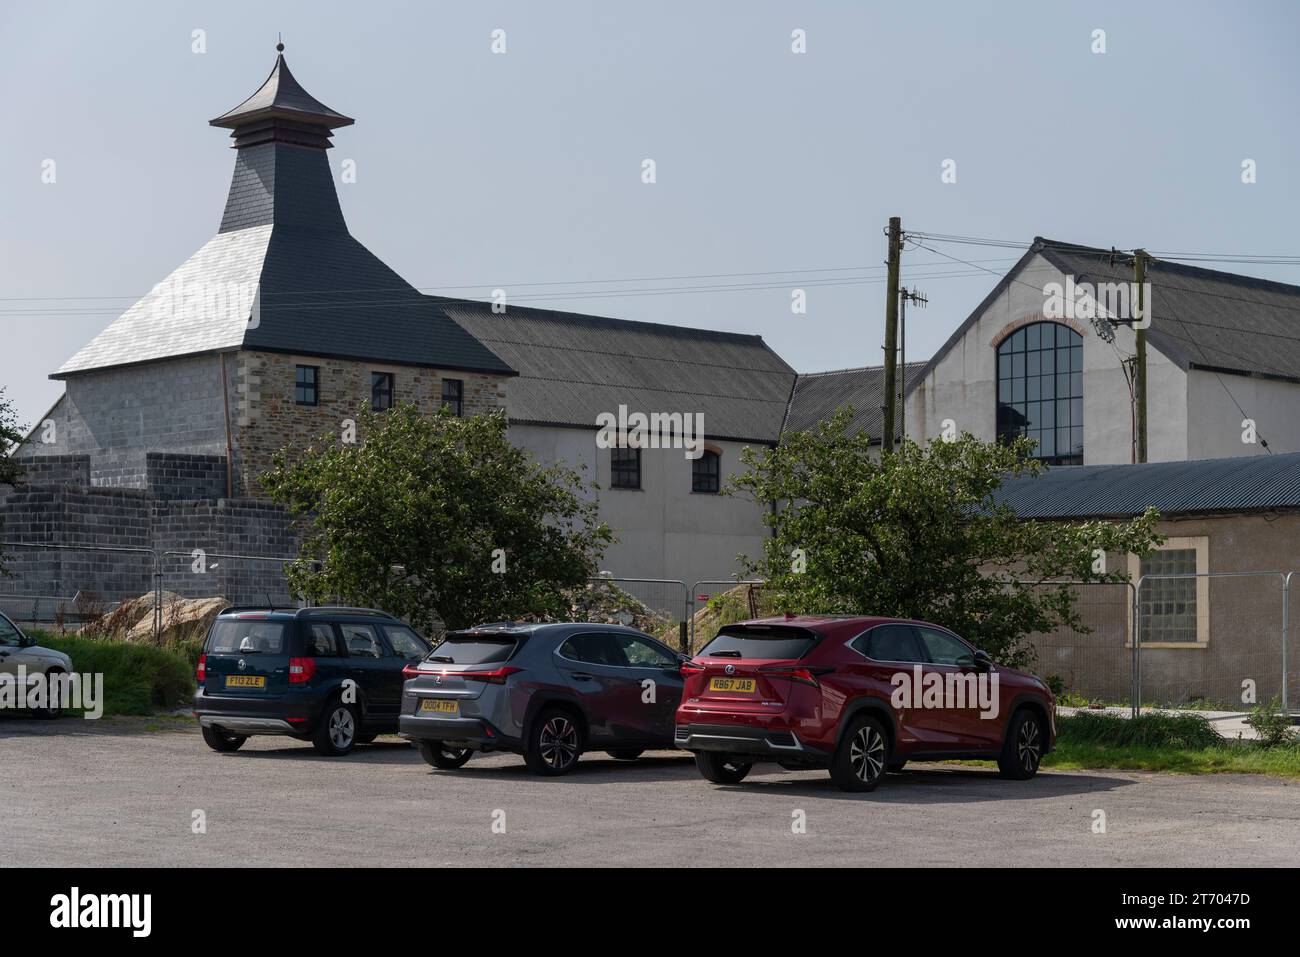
{"points": [[270, 419]]}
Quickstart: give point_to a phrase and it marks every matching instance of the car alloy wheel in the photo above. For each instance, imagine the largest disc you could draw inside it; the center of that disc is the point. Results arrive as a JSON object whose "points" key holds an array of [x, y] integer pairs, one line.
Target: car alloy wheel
{"points": [[1029, 749], [558, 743], [861, 756], [342, 728], [867, 754]]}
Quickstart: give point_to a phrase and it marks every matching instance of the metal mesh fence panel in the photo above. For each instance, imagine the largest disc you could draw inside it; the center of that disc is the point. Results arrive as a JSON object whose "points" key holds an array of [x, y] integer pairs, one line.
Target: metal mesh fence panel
{"points": [[655, 606], [71, 586], [1092, 663], [1210, 641]]}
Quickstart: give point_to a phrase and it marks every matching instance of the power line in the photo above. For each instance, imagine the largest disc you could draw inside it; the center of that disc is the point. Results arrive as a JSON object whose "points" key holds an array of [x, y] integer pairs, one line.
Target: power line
{"points": [[513, 285]]}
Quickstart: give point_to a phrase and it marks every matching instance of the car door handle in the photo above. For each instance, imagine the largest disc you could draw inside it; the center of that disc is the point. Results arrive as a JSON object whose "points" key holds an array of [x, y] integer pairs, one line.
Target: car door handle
{"points": [[580, 676]]}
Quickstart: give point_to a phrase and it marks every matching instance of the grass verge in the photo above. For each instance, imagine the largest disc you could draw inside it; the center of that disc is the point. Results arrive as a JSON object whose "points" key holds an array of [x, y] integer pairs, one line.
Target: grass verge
{"points": [[1179, 743], [138, 678]]}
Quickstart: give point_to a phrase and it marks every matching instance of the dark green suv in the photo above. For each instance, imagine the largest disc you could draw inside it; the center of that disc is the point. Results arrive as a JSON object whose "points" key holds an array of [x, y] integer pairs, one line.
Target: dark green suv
{"points": [[331, 676]]}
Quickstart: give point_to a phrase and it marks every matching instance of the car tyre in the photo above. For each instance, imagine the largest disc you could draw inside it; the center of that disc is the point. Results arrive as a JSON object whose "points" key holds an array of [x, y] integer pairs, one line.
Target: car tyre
{"points": [[1022, 751], [219, 740], [722, 768], [48, 714], [862, 756], [336, 731], [626, 754], [442, 757], [554, 743]]}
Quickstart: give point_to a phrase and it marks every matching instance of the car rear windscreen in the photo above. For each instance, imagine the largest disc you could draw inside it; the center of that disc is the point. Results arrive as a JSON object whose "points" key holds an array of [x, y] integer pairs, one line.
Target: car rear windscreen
{"points": [[760, 641], [247, 636], [474, 649]]}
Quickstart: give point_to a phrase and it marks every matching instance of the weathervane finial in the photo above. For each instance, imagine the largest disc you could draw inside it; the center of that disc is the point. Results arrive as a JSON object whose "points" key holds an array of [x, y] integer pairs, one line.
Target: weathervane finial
{"points": [[279, 43]]}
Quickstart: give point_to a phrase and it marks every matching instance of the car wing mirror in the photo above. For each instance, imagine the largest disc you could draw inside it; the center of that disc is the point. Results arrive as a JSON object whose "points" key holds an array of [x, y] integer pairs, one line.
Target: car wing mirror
{"points": [[26, 641], [982, 661]]}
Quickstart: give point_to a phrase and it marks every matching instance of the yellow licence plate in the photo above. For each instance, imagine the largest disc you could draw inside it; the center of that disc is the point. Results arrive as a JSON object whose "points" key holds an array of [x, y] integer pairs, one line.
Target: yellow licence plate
{"points": [[739, 685], [439, 706], [245, 681]]}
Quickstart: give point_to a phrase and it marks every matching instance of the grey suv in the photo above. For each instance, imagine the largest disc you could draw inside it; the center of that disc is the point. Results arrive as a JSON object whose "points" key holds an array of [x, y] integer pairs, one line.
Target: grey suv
{"points": [[548, 692]]}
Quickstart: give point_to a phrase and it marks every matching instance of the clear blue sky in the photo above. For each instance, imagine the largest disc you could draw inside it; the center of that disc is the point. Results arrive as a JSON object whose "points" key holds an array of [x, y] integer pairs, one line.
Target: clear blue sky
{"points": [[478, 170]]}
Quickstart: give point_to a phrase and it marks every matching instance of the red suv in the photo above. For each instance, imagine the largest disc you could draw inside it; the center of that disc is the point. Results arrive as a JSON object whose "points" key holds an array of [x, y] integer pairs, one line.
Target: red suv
{"points": [[857, 696]]}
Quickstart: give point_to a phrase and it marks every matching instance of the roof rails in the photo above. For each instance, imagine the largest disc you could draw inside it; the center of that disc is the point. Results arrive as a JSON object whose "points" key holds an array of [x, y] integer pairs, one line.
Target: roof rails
{"points": [[312, 611], [342, 609]]}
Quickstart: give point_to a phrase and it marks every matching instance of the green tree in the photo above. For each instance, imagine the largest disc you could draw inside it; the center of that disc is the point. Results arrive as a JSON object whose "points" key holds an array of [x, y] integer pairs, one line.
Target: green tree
{"points": [[437, 518], [918, 533], [10, 437], [10, 469]]}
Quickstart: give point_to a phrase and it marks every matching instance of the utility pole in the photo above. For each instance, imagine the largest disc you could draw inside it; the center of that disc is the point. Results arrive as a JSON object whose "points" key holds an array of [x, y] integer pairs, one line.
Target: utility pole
{"points": [[903, 298], [1140, 370], [891, 333]]}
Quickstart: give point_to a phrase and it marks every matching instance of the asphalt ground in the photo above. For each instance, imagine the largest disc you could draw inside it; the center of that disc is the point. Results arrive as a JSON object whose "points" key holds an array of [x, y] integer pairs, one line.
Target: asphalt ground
{"points": [[128, 792]]}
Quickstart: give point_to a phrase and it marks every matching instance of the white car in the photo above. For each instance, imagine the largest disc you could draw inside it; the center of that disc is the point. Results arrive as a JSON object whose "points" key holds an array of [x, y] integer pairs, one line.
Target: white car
{"points": [[21, 651]]}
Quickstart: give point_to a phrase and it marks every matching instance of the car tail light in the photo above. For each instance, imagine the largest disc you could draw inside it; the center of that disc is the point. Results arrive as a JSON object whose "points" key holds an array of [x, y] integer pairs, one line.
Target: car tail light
{"points": [[804, 674], [495, 677], [690, 669], [301, 670], [201, 672]]}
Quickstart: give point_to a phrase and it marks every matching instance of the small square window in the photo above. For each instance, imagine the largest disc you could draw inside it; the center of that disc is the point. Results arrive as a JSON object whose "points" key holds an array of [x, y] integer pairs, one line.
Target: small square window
{"points": [[306, 385], [453, 395], [381, 391], [624, 468]]}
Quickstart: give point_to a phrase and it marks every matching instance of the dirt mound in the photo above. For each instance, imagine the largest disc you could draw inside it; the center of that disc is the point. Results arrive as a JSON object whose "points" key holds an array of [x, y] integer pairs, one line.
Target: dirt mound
{"points": [[133, 619]]}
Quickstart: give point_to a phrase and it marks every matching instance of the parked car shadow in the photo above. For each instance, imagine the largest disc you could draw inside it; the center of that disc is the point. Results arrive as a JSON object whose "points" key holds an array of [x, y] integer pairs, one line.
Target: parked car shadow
{"points": [[935, 784]]}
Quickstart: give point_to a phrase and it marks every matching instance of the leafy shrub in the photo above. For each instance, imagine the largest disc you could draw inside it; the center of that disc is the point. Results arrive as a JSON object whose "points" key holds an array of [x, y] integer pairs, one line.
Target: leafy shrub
{"points": [[1271, 724]]}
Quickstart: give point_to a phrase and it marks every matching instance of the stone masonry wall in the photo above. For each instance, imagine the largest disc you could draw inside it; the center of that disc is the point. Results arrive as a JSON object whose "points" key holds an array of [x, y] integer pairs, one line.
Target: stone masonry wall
{"points": [[269, 418]]}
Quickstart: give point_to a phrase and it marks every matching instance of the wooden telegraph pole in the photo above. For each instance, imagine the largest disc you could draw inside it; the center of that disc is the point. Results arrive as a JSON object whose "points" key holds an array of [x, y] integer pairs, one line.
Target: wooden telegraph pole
{"points": [[1140, 365], [891, 334]]}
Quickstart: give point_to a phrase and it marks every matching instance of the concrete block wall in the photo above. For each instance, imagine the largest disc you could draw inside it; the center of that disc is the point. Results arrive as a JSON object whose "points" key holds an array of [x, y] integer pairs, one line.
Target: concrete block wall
{"points": [[56, 469], [126, 518], [117, 416], [174, 476]]}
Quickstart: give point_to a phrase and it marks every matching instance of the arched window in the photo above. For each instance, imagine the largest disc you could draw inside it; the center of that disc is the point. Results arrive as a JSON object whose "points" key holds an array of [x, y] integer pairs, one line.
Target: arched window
{"points": [[1040, 390]]}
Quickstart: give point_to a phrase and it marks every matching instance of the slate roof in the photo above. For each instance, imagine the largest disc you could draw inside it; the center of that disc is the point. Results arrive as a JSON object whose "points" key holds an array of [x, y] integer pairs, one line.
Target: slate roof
{"points": [[281, 95], [1201, 318], [284, 247], [817, 395], [1204, 486], [573, 367], [203, 306]]}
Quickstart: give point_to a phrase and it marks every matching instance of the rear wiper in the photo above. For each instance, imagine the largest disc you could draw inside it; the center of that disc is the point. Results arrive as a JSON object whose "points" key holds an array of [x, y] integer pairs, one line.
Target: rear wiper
{"points": [[729, 653]]}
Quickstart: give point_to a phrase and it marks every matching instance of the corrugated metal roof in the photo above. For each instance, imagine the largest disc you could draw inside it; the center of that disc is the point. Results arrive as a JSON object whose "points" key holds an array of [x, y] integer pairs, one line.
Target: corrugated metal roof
{"points": [[817, 395], [573, 367], [1252, 483]]}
